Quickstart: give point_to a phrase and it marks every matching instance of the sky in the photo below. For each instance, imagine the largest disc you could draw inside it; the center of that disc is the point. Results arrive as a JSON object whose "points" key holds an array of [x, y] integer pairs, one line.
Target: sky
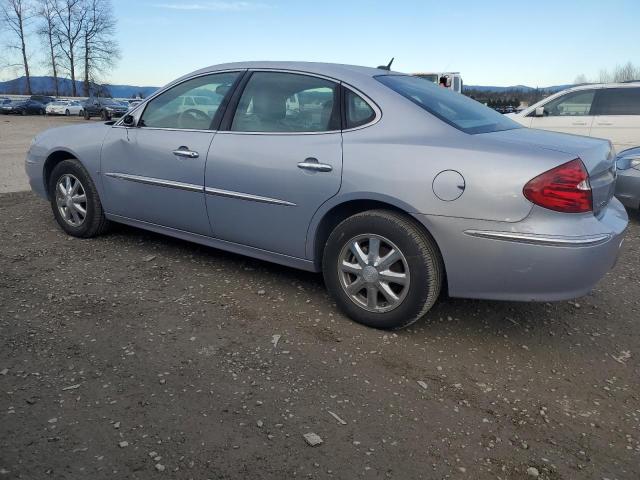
{"points": [[491, 42]]}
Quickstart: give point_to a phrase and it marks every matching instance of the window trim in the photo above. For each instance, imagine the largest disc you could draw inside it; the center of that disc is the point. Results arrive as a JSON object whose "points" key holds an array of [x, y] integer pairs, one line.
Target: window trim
{"points": [[225, 126], [139, 109]]}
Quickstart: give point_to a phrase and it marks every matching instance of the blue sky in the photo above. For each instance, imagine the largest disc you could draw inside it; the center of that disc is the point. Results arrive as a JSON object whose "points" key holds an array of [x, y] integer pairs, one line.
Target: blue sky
{"points": [[492, 42]]}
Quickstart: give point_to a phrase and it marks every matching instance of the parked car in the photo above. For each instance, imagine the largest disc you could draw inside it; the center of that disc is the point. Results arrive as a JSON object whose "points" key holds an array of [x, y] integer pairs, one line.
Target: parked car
{"points": [[65, 107], [388, 184], [105, 108], [23, 107], [43, 99], [4, 100], [610, 111], [628, 182]]}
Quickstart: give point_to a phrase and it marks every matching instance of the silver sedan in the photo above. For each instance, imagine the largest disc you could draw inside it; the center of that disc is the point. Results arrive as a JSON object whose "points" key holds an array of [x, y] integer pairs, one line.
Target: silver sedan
{"points": [[628, 183], [395, 189]]}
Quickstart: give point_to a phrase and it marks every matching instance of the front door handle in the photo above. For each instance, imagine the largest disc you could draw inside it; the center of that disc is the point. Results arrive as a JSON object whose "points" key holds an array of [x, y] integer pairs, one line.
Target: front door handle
{"points": [[313, 165], [185, 152], [605, 123], [579, 123]]}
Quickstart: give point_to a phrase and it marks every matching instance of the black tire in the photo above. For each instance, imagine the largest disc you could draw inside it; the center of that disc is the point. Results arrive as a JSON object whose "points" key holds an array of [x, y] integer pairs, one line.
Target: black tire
{"points": [[67, 113], [81, 113], [86, 115], [422, 257], [95, 223], [23, 113], [103, 115]]}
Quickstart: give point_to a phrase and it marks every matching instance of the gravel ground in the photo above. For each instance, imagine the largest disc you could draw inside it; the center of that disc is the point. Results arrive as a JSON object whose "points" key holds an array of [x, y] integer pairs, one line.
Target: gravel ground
{"points": [[139, 356], [15, 134]]}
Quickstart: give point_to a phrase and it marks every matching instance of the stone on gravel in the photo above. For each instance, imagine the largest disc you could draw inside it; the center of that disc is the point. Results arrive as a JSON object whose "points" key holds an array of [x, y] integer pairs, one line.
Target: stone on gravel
{"points": [[148, 258], [312, 439], [533, 472], [423, 384], [4, 371], [160, 467], [123, 444]]}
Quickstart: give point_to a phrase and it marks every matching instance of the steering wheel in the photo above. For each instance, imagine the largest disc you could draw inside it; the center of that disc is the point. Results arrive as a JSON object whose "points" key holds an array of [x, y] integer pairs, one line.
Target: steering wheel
{"points": [[194, 116]]}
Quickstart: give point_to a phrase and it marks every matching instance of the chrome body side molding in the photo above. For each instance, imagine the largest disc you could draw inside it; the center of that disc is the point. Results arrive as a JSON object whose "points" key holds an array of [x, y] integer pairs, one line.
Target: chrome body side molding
{"points": [[247, 196], [542, 240], [156, 181]]}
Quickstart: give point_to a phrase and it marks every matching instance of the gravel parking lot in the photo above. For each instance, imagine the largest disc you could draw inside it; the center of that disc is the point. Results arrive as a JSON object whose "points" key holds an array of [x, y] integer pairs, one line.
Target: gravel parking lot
{"points": [[139, 356]]}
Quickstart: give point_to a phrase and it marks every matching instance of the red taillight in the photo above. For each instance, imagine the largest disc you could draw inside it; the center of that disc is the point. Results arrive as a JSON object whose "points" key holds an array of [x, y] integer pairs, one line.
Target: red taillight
{"points": [[563, 189]]}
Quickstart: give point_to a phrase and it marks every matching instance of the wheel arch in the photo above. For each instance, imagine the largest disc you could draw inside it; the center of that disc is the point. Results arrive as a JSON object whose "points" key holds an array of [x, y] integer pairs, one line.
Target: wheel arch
{"points": [[334, 212], [53, 159]]}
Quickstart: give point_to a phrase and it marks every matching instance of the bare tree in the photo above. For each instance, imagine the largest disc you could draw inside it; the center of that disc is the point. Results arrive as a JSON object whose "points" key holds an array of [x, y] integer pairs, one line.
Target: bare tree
{"points": [[15, 14], [100, 49], [47, 15], [604, 76], [580, 79], [626, 72], [70, 17]]}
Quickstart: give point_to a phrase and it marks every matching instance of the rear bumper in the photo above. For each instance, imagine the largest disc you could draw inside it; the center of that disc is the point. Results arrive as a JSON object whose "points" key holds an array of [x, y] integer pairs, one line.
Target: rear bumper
{"points": [[548, 256], [628, 187]]}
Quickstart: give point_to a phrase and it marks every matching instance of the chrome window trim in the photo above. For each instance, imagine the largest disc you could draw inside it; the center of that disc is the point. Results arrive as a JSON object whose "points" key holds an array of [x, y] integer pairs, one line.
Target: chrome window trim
{"points": [[338, 82], [541, 240], [158, 182], [247, 196]]}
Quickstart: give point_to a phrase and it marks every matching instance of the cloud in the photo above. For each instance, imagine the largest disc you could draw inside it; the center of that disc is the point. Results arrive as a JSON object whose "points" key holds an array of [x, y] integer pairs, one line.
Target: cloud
{"points": [[218, 6]]}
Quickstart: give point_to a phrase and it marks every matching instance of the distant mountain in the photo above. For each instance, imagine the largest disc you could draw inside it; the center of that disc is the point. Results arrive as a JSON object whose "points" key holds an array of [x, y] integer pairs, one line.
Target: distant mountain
{"points": [[45, 85], [522, 88]]}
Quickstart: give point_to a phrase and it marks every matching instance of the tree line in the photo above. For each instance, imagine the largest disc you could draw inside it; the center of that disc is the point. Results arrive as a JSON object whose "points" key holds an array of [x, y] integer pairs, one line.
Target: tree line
{"points": [[75, 37], [621, 73]]}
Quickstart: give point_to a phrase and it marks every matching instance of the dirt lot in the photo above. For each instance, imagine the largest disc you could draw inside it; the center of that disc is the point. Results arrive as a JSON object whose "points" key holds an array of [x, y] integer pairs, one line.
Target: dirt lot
{"points": [[139, 356], [15, 134]]}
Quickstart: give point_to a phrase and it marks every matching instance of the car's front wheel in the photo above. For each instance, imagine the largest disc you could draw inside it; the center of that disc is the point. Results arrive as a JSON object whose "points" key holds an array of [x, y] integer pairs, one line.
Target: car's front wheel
{"points": [[67, 113], [75, 201], [86, 115], [383, 270]]}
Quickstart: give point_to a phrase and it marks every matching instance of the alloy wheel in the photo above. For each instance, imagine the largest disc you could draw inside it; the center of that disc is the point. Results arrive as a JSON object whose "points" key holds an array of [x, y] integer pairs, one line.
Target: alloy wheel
{"points": [[71, 200], [374, 273]]}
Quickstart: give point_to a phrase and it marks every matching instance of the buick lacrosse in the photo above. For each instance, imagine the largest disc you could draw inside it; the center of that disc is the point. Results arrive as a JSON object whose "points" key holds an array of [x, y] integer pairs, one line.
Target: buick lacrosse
{"points": [[391, 186]]}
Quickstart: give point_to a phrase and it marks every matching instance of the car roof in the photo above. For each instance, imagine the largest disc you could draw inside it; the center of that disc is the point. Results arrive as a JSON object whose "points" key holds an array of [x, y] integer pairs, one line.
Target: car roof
{"points": [[333, 70]]}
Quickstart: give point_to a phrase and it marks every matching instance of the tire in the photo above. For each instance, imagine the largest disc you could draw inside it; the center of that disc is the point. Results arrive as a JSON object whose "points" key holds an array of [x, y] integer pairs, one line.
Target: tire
{"points": [[81, 113], [419, 261], [86, 115], [67, 113], [23, 113], [94, 222], [104, 116]]}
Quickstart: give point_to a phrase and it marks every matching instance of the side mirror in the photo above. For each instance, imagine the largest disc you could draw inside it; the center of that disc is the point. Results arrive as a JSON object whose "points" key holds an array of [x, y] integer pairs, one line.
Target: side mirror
{"points": [[539, 112], [128, 121]]}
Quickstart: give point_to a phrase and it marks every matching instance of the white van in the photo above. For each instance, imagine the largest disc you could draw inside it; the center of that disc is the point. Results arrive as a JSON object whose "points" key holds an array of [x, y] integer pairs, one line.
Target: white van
{"points": [[610, 111]]}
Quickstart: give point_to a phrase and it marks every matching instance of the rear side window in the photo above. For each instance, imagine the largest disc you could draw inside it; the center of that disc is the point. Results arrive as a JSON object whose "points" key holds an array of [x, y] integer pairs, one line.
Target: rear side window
{"points": [[618, 101], [287, 102], [575, 104], [358, 111], [455, 109]]}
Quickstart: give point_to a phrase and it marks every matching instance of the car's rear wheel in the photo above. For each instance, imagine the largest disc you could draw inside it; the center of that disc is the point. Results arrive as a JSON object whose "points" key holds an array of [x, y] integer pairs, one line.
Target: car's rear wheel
{"points": [[75, 201], [23, 112], [67, 113], [383, 270], [104, 116], [86, 115]]}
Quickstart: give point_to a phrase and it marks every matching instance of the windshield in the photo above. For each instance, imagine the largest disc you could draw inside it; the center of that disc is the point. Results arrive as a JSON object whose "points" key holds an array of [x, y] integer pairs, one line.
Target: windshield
{"points": [[453, 108]]}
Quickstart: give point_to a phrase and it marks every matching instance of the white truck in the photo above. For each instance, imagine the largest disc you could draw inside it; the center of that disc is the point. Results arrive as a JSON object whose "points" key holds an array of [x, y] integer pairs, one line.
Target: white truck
{"points": [[452, 80]]}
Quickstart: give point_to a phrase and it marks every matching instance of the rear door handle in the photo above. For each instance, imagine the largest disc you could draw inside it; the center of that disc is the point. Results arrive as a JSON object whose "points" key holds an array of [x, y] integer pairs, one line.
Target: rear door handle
{"points": [[313, 165], [605, 123], [579, 123], [185, 152]]}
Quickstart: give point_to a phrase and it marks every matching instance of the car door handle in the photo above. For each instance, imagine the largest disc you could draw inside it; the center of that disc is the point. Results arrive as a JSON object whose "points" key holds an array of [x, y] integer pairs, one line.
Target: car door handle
{"points": [[313, 165], [185, 152], [605, 123], [579, 123]]}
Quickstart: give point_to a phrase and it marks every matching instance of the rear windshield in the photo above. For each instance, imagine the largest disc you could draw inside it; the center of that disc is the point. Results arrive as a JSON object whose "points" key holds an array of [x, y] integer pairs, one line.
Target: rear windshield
{"points": [[453, 108]]}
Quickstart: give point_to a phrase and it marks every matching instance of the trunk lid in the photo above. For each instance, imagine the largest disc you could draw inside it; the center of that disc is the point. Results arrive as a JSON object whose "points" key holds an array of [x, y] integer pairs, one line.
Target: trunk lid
{"points": [[597, 155]]}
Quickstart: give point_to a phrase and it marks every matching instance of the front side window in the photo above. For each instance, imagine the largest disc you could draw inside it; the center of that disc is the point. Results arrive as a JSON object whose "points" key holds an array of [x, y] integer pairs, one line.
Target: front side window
{"points": [[358, 111], [576, 104], [176, 108], [457, 110], [287, 102], [618, 101]]}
